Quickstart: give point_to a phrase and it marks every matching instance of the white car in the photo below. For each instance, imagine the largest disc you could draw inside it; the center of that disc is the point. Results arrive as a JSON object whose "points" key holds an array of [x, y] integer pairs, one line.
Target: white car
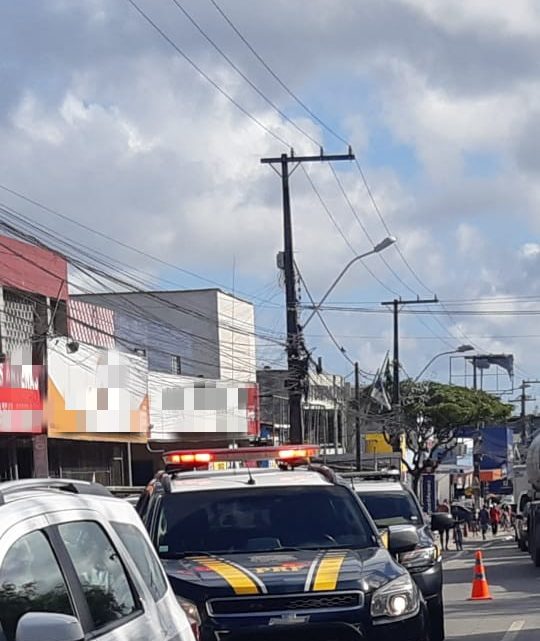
{"points": [[77, 563]]}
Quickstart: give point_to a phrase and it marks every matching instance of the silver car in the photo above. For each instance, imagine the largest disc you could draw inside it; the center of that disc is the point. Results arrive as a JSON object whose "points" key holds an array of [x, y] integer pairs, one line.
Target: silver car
{"points": [[76, 562]]}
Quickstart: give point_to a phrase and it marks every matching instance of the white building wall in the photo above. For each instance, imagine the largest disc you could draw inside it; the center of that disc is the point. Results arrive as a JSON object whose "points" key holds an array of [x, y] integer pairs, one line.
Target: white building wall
{"points": [[212, 332], [236, 339]]}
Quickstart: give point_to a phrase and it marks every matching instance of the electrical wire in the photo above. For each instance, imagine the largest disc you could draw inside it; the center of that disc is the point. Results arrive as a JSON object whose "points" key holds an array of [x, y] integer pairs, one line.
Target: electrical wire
{"points": [[291, 93], [231, 63], [222, 91]]}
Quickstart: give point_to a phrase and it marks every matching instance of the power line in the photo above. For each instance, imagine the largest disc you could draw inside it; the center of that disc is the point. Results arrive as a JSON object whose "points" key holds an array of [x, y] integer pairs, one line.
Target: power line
{"points": [[291, 93], [81, 266], [366, 232], [340, 348], [116, 241], [234, 66], [224, 93]]}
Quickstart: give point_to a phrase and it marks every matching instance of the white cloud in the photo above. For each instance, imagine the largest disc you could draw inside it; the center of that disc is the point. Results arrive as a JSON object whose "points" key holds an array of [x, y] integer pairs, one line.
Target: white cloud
{"points": [[103, 121]]}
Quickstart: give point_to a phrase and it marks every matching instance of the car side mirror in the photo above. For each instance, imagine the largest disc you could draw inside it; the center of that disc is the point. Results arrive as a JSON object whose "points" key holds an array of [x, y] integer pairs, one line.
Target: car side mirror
{"points": [[441, 521], [48, 626], [402, 538]]}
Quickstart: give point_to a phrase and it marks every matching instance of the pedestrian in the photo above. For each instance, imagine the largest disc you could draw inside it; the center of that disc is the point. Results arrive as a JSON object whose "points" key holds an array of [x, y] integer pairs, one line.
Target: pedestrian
{"points": [[483, 519], [443, 507], [444, 533], [495, 518], [505, 517]]}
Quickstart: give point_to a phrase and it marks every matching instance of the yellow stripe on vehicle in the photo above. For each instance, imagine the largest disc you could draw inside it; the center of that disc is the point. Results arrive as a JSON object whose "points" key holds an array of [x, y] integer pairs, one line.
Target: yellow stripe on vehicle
{"points": [[328, 571], [239, 581]]}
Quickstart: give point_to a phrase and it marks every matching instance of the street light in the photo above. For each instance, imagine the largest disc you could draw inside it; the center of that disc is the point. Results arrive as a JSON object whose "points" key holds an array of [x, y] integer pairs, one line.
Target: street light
{"points": [[458, 350], [386, 242]]}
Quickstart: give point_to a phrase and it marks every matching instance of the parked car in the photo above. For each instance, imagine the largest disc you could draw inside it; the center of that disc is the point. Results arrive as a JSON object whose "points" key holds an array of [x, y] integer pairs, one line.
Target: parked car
{"points": [[76, 563], [392, 503]]}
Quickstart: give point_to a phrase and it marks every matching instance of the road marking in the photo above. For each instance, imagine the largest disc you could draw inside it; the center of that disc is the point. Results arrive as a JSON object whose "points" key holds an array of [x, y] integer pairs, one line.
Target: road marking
{"points": [[512, 631]]}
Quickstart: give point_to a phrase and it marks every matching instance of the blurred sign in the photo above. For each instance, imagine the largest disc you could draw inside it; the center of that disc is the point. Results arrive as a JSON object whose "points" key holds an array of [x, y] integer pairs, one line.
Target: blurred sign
{"points": [[428, 493]]}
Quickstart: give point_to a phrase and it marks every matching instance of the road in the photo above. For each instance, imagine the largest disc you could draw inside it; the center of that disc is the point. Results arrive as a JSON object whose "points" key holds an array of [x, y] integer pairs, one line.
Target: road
{"points": [[514, 612]]}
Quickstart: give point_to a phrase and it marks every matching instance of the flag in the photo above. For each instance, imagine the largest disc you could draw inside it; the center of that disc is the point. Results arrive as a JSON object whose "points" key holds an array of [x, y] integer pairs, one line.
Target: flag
{"points": [[378, 391]]}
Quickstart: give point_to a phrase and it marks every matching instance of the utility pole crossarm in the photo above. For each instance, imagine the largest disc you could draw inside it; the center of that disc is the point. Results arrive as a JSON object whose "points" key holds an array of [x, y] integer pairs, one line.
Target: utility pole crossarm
{"points": [[413, 301], [321, 158]]}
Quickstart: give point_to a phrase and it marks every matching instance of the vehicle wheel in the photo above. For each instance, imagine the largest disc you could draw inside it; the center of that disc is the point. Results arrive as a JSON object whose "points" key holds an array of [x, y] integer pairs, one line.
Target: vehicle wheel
{"points": [[535, 555], [436, 619]]}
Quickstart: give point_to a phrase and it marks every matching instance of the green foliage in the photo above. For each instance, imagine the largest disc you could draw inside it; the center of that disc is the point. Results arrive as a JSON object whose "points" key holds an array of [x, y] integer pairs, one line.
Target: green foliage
{"points": [[430, 417], [448, 406]]}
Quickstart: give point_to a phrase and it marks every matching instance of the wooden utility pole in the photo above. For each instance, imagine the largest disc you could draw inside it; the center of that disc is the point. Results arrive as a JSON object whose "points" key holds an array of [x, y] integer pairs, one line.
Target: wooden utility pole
{"points": [[396, 305], [296, 353]]}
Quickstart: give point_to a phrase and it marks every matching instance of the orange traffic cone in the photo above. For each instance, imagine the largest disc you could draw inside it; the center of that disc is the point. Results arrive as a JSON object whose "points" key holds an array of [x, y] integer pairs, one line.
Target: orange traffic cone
{"points": [[480, 587]]}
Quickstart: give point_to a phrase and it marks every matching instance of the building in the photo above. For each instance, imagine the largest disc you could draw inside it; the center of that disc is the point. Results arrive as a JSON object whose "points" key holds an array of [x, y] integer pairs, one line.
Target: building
{"points": [[324, 408], [199, 346], [33, 281], [202, 333]]}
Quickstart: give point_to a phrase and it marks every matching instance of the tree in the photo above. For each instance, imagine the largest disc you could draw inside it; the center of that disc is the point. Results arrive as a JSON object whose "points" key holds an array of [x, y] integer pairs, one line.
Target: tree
{"points": [[430, 418]]}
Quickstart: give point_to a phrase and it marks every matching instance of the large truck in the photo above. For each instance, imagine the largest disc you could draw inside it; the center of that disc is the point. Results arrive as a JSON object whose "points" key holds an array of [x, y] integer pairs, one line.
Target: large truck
{"points": [[528, 503]]}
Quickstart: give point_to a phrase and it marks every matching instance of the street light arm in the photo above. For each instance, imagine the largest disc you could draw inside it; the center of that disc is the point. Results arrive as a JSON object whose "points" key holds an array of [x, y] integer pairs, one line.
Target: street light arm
{"points": [[431, 361], [333, 285]]}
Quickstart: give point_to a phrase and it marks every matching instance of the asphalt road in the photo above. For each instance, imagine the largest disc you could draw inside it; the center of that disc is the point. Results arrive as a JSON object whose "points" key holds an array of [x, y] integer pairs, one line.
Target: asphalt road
{"points": [[514, 612]]}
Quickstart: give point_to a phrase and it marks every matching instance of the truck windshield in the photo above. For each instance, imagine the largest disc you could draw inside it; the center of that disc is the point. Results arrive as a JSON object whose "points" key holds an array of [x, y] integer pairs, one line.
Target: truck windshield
{"points": [[262, 519], [391, 508]]}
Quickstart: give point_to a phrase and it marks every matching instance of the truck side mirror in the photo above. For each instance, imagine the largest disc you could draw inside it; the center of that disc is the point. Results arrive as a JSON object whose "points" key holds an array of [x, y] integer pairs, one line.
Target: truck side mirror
{"points": [[402, 538]]}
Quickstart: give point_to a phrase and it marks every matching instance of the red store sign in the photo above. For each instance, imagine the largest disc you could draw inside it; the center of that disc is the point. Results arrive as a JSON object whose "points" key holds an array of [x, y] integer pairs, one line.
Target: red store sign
{"points": [[21, 404]]}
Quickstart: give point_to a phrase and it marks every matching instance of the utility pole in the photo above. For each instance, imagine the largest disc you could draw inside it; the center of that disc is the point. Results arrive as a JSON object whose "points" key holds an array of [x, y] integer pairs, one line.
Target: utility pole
{"points": [[357, 417], [396, 305], [296, 357], [524, 397]]}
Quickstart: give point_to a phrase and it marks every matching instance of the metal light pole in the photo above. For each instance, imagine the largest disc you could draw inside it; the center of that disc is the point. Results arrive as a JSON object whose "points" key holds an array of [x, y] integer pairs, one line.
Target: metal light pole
{"points": [[458, 350], [386, 242]]}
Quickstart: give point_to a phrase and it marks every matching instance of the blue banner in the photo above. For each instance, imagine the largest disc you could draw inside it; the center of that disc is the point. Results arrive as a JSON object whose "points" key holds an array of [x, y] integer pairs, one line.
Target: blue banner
{"points": [[429, 495]]}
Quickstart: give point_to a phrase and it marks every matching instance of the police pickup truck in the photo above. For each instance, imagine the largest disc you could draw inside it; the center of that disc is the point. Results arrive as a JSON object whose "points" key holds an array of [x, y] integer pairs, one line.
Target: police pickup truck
{"points": [[287, 552]]}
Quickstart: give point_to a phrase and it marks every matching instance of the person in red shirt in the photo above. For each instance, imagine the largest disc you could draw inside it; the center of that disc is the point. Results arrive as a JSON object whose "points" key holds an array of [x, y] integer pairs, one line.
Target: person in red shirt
{"points": [[495, 518]]}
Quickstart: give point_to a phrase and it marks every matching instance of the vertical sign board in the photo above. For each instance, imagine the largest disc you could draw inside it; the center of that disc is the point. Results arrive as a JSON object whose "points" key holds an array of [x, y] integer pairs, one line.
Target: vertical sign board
{"points": [[428, 493]]}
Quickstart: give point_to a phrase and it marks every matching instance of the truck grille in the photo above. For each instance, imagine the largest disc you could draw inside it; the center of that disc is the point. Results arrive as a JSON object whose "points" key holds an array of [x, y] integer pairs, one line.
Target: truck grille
{"points": [[277, 604]]}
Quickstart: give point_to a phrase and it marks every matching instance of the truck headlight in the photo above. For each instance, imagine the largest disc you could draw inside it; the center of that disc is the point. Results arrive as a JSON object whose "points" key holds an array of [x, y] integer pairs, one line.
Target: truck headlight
{"points": [[396, 599], [192, 614], [420, 558]]}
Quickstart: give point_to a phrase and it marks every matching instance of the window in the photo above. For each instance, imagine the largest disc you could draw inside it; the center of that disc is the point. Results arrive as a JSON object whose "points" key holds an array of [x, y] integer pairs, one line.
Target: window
{"points": [[100, 571], [264, 520], [144, 558], [391, 508], [30, 581], [176, 365]]}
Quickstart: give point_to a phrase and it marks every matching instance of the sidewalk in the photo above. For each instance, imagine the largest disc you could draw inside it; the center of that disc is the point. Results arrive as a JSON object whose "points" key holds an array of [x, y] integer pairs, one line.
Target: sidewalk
{"points": [[474, 541]]}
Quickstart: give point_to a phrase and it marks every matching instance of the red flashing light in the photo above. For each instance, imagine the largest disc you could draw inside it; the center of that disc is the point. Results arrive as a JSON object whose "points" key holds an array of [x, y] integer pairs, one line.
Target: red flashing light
{"points": [[245, 454], [191, 457], [288, 454]]}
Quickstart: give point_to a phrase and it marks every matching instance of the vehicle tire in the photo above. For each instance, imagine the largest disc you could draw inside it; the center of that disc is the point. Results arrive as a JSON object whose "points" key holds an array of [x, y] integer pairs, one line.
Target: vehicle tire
{"points": [[436, 619]]}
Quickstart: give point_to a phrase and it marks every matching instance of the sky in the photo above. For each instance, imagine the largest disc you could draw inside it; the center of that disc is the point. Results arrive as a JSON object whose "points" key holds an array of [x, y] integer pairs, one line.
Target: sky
{"points": [[106, 121]]}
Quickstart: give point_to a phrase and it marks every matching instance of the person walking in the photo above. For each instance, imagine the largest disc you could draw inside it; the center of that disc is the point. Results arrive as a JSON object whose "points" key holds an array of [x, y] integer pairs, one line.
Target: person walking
{"points": [[495, 518], [484, 520], [444, 534]]}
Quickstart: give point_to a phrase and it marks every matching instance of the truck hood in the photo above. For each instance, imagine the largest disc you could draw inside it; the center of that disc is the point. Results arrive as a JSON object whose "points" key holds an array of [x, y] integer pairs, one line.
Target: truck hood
{"points": [[281, 572]]}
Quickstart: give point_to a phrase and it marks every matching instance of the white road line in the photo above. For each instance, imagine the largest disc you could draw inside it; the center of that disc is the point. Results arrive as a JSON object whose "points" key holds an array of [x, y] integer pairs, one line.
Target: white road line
{"points": [[512, 631]]}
